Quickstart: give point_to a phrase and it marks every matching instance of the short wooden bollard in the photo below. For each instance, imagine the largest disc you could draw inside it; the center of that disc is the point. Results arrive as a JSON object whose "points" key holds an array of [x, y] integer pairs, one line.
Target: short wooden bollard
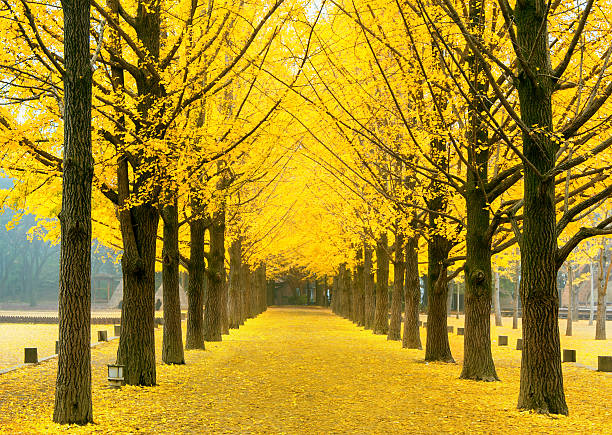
{"points": [[502, 340], [569, 355], [31, 355], [604, 363], [460, 331], [102, 336], [519, 344], [450, 329], [117, 329]]}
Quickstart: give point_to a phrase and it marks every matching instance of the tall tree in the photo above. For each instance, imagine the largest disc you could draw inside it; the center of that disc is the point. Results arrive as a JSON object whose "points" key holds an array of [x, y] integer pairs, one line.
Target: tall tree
{"points": [[73, 385]]}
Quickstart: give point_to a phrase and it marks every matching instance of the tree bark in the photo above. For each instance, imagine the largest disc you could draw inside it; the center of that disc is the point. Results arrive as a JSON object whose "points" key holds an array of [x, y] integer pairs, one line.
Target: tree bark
{"points": [[478, 360], [235, 283], [359, 291], [437, 347], [570, 300], [541, 386], [195, 289], [395, 323], [73, 383], [412, 297], [245, 294], [368, 285], [496, 303], [225, 305], [604, 277], [172, 344], [515, 297], [381, 325], [137, 341], [592, 295], [215, 272]]}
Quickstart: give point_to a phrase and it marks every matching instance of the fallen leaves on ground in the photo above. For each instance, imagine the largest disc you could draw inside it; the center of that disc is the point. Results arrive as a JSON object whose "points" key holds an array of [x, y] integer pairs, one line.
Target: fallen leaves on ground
{"points": [[306, 371]]}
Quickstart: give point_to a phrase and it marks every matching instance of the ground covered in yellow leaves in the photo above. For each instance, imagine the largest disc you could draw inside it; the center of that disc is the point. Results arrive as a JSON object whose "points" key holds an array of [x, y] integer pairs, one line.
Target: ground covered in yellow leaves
{"points": [[15, 337], [304, 370]]}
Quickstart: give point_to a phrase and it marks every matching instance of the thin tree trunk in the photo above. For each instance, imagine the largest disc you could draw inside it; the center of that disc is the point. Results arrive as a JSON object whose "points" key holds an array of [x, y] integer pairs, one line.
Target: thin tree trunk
{"points": [[381, 325], [412, 297], [214, 274], [359, 290], [195, 289], [368, 285], [225, 305], [395, 324], [592, 298], [604, 277], [570, 302], [73, 383], [496, 303], [234, 283], [515, 297], [172, 344]]}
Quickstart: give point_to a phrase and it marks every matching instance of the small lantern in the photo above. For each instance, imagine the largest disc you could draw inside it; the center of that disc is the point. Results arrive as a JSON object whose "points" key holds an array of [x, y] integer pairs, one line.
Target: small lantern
{"points": [[115, 375]]}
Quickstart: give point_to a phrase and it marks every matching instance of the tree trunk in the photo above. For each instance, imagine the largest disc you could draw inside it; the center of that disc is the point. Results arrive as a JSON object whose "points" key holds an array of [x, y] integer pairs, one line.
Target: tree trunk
{"points": [[348, 293], [318, 293], [359, 291], [478, 360], [381, 325], [172, 345], [225, 305], [437, 347], [195, 289], [412, 297], [604, 277], [515, 297], [368, 286], [496, 303], [592, 295], [215, 272], [137, 341], [234, 283], [395, 323], [570, 300], [73, 383], [245, 295], [541, 386]]}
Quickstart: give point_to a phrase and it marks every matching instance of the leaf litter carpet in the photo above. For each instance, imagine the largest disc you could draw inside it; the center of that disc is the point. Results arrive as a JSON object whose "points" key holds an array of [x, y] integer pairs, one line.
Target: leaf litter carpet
{"points": [[304, 370]]}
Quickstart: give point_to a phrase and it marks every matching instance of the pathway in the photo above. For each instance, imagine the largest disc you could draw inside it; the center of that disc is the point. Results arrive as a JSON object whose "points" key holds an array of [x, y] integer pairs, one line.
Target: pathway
{"points": [[295, 370]]}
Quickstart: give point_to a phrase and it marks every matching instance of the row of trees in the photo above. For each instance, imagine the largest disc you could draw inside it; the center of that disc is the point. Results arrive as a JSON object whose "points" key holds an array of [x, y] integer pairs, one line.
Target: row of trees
{"points": [[290, 134], [468, 130]]}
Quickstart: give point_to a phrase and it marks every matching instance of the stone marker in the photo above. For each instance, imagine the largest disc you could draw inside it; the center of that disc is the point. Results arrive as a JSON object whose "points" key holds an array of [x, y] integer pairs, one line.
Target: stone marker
{"points": [[102, 336], [31, 355], [569, 355], [460, 331], [502, 340], [117, 330], [604, 363], [450, 329], [519, 344]]}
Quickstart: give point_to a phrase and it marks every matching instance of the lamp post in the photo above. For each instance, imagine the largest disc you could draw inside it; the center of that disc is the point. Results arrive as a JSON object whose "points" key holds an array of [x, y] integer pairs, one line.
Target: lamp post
{"points": [[115, 375]]}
